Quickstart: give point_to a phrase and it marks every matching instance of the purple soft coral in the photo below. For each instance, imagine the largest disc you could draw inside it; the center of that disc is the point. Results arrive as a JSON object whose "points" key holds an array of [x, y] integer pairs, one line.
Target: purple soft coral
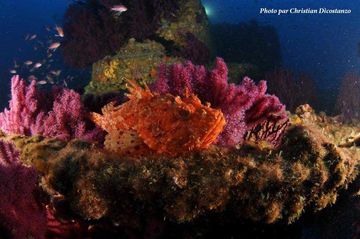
{"points": [[21, 216], [246, 106], [67, 120], [24, 111], [59, 115]]}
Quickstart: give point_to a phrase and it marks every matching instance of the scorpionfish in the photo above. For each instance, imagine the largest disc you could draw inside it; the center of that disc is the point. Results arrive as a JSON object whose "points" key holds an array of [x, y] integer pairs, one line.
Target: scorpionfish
{"points": [[163, 124]]}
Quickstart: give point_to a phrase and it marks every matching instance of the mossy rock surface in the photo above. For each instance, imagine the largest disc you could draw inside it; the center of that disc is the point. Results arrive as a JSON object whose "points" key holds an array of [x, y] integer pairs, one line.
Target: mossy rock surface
{"points": [[135, 61], [191, 18], [257, 182]]}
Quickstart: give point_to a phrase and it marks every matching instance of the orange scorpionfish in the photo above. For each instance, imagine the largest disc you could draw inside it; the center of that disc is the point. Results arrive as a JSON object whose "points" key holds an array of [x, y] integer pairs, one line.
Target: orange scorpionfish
{"points": [[164, 124]]}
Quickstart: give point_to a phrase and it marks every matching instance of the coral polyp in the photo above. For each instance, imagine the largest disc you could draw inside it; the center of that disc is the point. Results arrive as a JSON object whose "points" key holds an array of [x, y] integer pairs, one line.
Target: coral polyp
{"points": [[164, 123]]}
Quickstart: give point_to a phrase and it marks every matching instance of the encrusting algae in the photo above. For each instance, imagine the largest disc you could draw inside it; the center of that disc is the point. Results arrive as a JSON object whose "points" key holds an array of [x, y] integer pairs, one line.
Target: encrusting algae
{"points": [[306, 173], [110, 69], [135, 60], [162, 123]]}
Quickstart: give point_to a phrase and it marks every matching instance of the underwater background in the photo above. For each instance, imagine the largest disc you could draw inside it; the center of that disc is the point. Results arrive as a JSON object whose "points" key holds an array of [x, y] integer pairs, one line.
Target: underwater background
{"points": [[309, 44], [179, 119]]}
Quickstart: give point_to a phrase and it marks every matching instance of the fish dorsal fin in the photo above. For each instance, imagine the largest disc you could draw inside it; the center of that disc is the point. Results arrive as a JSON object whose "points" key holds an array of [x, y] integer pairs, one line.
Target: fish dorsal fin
{"points": [[102, 120], [191, 97], [136, 91], [108, 108]]}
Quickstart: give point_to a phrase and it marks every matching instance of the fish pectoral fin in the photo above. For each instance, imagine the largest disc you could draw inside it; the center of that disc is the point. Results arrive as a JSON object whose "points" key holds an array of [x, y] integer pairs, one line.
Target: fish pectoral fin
{"points": [[98, 119]]}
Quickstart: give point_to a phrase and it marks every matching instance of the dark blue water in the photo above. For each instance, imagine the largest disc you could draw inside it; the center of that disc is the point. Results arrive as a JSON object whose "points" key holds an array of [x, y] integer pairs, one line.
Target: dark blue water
{"points": [[324, 46], [19, 18]]}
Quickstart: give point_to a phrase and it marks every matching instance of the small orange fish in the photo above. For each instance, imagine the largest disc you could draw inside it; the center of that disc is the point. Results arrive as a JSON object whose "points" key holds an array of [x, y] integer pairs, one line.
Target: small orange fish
{"points": [[42, 82], [60, 31], [54, 45], [119, 8], [37, 65], [56, 73]]}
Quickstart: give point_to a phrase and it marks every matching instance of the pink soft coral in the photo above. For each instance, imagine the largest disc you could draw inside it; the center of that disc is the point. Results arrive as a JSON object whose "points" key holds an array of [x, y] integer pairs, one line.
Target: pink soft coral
{"points": [[60, 114], [21, 215], [67, 119], [246, 106], [24, 109]]}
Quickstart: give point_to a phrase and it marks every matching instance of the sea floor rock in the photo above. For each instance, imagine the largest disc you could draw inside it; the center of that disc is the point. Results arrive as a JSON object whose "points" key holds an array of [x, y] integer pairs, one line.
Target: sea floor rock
{"points": [[253, 182]]}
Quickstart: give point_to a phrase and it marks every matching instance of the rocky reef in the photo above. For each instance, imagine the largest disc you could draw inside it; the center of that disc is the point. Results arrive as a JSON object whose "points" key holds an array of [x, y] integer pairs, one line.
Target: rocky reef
{"points": [[185, 174], [257, 182], [136, 61], [182, 35], [93, 31], [132, 45], [192, 18]]}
